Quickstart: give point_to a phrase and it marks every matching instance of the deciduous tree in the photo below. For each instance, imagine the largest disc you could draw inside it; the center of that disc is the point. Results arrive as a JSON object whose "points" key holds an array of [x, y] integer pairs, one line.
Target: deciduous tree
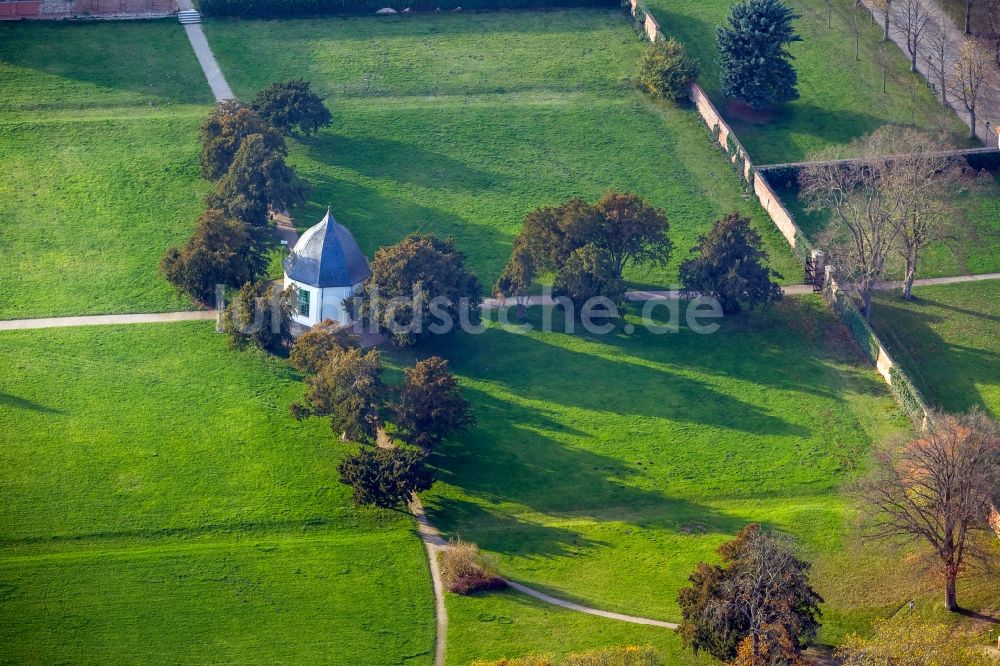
{"points": [[757, 603], [972, 77], [863, 233], [386, 478], [419, 287], [431, 406], [589, 273], [258, 180], [312, 349], [913, 19], [291, 105], [753, 54], [909, 642], [667, 72], [730, 265], [936, 490], [223, 132], [260, 315], [221, 251], [348, 388]]}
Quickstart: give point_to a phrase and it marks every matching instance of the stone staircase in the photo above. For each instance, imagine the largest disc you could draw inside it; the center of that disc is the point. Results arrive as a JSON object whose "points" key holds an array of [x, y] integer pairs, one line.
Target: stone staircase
{"points": [[187, 16]]}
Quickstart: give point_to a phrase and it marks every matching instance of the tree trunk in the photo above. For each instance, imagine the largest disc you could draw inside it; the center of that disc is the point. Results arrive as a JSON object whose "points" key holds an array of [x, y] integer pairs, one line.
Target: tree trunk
{"points": [[972, 124], [968, 17], [950, 595], [885, 27], [866, 303], [913, 61], [911, 272]]}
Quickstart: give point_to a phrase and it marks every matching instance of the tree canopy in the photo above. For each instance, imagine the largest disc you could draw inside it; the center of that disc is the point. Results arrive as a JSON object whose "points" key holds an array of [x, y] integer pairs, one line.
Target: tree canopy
{"points": [[753, 54], [348, 388], [431, 406], [312, 349], [756, 606], [291, 105], [386, 478], [258, 180], [260, 315], [730, 266], [666, 71], [589, 272], [221, 251], [223, 132], [417, 289]]}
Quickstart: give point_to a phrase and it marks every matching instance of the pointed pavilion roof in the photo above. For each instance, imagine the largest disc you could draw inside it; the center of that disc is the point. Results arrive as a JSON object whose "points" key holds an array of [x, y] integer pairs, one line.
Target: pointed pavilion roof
{"points": [[327, 255]]}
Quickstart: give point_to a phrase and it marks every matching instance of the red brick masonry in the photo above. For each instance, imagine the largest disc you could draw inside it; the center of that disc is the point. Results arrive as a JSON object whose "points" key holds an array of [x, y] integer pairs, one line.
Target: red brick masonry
{"points": [[995, 519], [11, 10]]}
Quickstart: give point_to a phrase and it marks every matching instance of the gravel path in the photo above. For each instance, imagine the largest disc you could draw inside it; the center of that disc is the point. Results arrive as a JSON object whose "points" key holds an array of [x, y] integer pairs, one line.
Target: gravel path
{"points": [[209, 65]]}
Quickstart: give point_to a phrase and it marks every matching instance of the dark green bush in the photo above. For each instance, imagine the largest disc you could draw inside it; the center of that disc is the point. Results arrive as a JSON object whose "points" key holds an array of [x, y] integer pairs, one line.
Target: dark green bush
{"points": [[275, 8], [667, 72], [907, 394]]}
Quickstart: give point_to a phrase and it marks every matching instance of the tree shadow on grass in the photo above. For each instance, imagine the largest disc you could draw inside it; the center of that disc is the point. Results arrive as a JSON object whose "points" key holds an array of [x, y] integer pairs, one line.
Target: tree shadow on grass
{"points": [[948, 374], [16, 402], [377, 157]]}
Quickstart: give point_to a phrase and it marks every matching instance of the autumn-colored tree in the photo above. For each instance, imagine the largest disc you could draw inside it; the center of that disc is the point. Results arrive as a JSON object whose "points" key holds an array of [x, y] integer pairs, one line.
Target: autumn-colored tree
{"points": [[313, 348], [730, 265], [419, 287], [223, 132], [348, 388], [757, 603], [935, 491], [431, 406], [291, 105], [385, 478]]}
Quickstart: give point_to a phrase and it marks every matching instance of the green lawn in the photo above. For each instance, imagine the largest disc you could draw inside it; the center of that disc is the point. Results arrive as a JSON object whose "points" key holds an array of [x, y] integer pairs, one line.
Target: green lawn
{"points": [[947, 339], [508, 624], [841, 96], [99, 156], [460, 124], [972, 246], [161, 506], [603, 468]]}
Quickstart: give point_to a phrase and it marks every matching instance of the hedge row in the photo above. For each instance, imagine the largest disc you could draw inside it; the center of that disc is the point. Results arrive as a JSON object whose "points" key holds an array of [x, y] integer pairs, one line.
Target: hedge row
{"points": [[278, 8]]}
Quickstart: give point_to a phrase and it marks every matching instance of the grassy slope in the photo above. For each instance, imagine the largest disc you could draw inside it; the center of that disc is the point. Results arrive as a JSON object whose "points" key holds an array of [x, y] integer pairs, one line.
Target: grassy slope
{"points": [[151, 462], [974, 247], [99, 154], [461, 124], [603, 469], [841, 97], [947, 339]]}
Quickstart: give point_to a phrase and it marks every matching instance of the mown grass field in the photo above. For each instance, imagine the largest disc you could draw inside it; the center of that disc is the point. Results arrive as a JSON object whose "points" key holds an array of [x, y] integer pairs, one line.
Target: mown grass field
{"points": [[460, 124], [946, 338], [841, 96], [604, 468], [161, 506], [970, 247], [99, 156]]}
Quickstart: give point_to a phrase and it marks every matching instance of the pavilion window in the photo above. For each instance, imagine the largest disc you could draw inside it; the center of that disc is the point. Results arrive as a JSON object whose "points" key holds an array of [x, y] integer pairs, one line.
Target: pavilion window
{"points": [[304, 302]]}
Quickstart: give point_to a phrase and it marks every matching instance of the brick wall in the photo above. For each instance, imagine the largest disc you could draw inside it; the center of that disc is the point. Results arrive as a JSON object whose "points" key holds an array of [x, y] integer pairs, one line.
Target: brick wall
{"points": [[63, 9], [995, 519]]}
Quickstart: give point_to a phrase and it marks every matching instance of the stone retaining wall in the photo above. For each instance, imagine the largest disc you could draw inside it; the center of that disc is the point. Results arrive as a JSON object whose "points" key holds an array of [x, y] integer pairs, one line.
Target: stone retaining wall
{"points": [[995, 518], [66, 9]]}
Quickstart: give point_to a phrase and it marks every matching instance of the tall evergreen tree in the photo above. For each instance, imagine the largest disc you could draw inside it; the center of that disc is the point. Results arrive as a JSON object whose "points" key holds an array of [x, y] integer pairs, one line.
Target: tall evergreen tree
{"points": [[756, 65]]}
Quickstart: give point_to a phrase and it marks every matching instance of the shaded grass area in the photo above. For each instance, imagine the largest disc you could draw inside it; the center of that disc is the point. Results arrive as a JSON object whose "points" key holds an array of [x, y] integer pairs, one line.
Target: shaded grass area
{"points": [[508, 625], [947, 339], [972, 245], [461, 124], [151, 463], [841, 97], [98, 151], [604, 468]]}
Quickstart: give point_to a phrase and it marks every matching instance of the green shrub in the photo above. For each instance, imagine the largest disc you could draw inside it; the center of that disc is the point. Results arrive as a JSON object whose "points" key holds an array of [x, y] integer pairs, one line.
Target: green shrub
{"points": [[906, 394], [667, 72], [274, 8]]}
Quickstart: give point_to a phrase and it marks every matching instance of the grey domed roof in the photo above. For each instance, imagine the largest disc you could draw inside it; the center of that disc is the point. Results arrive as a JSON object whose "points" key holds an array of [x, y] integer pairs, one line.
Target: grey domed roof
{"points": [[327, 255]]}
